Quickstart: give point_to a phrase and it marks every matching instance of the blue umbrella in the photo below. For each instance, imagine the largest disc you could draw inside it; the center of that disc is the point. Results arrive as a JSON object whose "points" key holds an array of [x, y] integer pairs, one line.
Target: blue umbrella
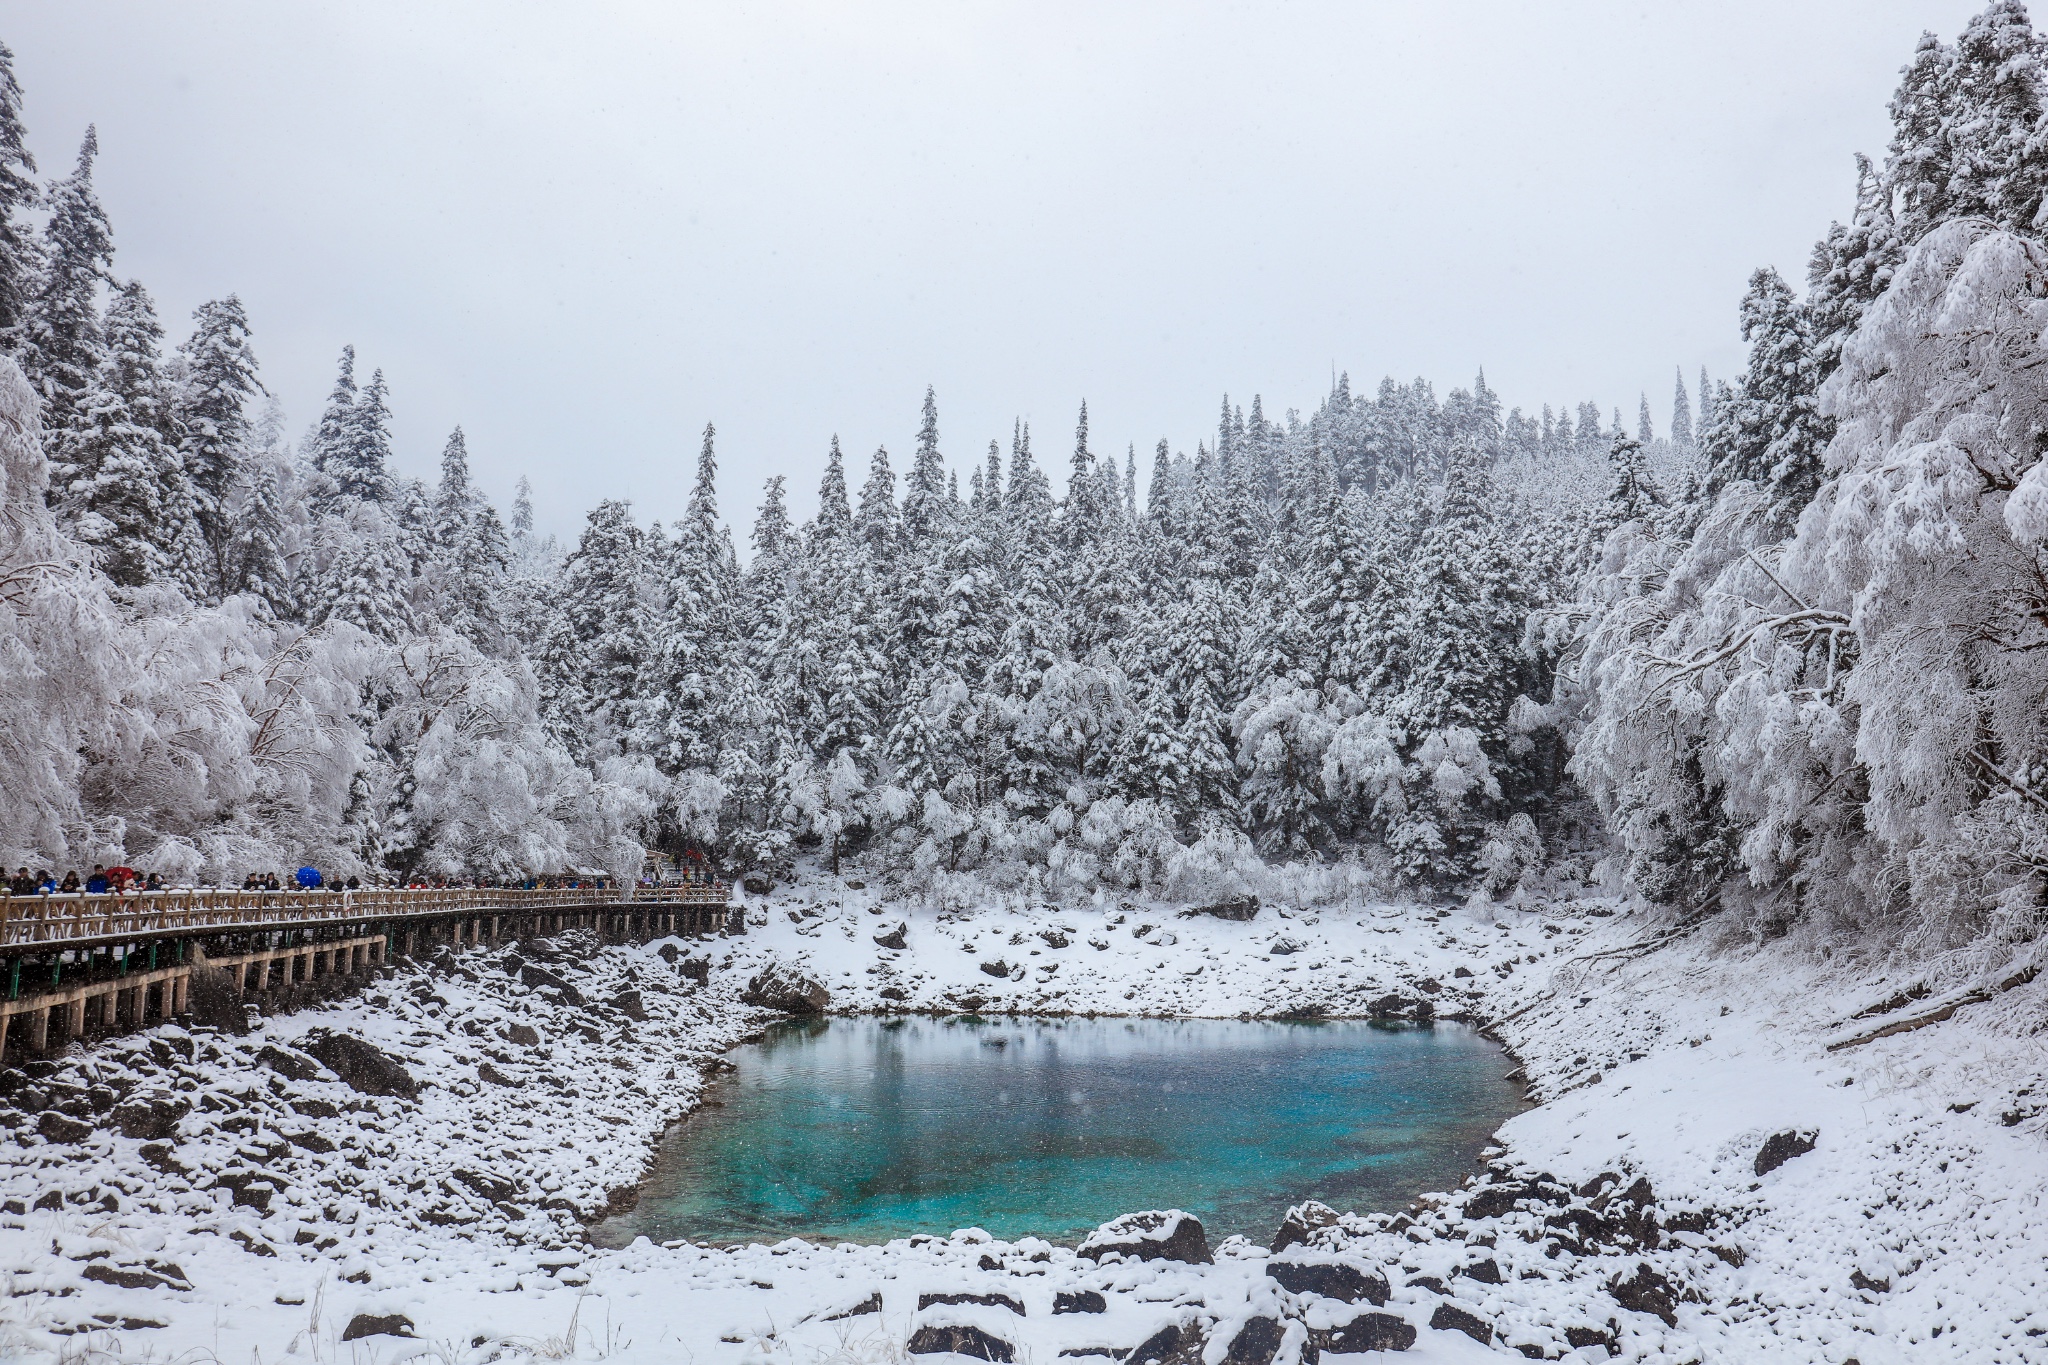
{"points": [[309, 877]]}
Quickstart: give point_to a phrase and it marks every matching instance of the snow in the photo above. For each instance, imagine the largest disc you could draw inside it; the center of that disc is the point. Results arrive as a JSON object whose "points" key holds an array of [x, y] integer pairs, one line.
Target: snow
{"points": [[1672, 1067]]}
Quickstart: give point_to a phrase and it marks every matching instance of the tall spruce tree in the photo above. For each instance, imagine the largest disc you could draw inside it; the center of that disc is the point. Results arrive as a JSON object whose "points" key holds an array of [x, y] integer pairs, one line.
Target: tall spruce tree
{"points": [[213, 422], [124, 482], [1773, 433], [924, 491], [17, 193], [60, 345]]}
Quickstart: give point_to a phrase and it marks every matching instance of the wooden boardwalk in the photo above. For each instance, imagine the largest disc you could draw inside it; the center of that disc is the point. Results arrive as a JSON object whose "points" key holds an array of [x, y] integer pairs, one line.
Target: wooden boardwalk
{"points": [[29, 923], [73, 966]]}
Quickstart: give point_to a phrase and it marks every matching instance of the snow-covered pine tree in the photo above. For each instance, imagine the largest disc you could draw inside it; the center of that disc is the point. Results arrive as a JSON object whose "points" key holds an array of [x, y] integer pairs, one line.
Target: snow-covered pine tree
{"points": [[474, 573], [124, 485], [697, 635], [1773, 434], [878, 519], [1681, 414], [364, 575], [213, 423], [333, 432], [361, 464], [60, 344], [835, 515], [17, 192], [924, 491], [594, 671]]}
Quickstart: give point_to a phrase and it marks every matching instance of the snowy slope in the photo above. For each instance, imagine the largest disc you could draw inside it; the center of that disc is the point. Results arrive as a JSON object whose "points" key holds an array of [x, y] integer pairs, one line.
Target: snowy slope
{"points": [[1698, 1060]]}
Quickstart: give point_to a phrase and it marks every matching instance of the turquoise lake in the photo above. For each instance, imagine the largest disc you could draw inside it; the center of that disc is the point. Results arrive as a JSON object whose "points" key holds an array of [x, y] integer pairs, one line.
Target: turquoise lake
{"points": [[864, 1129]]}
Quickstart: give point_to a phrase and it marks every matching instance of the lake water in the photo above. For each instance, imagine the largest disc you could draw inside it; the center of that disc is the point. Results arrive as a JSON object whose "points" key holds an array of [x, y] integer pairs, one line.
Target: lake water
{"points": [[864, 1129]]}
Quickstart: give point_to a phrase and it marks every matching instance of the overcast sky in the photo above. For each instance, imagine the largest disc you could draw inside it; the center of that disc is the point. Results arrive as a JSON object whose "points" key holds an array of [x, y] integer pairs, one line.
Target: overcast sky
{"points": [[583, 230]]}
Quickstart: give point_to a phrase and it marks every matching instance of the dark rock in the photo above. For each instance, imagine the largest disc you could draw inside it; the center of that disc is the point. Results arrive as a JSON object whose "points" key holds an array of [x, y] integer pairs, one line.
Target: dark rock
{"points": [[1646, 1292], [213, 998], [1450, 1318], [1576, 1337], [362, 1067], [1859, 1280], [310, 1141], [871, 1304], [293, 1066], [366, 1325], [786, 991], [1300, 1221], [668, 952], [1053, 938], [1393, 1007], [1429, 985], [1462, 973], [757, 886], [925, 1301], [152, 1116], [896, 993], [158, 1155], [74, 1100], [1283, 947], [960, 1339], [536, 978], [1329, 1278], [1780, 1148], [1599, 1182], [1079, 1301], [1171, 1345], [526, 1035], [1153, 1235], [486, 1072], [1588, 1225], [49, 1199], [892, 937], [60, 1128], [1239, 908], [255, 1246], [1366, 1332], [630, 1004], [314, 1108], [125, 1277], [697, 969], [1491, 1201], [1486, 1271], [1256, 1343], [491, 1187], [996, 968], [251, 1189]]}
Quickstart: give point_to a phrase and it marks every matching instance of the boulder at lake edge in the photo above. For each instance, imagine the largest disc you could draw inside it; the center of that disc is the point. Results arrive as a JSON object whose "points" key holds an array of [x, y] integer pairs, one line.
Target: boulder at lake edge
{"points": [[1153, 1235], [786, 991]]}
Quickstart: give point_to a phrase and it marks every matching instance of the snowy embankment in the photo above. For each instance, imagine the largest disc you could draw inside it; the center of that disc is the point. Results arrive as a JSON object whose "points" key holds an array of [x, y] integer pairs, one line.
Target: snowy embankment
{"points": [[287, 1208]]}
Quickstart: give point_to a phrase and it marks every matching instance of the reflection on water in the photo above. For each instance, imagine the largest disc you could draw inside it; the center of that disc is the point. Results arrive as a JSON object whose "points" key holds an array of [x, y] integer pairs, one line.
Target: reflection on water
{"points": [[866, 1129]]}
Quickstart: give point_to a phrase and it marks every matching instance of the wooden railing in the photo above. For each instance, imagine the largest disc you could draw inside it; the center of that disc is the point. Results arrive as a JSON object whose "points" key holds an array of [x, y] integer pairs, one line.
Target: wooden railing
{"points": [[59, 919]]}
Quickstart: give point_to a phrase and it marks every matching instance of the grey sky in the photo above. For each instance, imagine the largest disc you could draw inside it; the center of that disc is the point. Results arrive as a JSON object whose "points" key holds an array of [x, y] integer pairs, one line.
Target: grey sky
{"points": [[583, 230]]}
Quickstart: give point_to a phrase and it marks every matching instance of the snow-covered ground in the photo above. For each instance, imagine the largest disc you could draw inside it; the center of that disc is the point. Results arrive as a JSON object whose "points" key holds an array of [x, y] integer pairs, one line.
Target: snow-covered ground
{"points": [[285, 1205]]}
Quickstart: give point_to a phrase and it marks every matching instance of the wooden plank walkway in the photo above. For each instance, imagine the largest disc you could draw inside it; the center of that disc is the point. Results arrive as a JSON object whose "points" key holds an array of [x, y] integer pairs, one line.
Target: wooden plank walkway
{"points": [[109, 963], [29, 923]]}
